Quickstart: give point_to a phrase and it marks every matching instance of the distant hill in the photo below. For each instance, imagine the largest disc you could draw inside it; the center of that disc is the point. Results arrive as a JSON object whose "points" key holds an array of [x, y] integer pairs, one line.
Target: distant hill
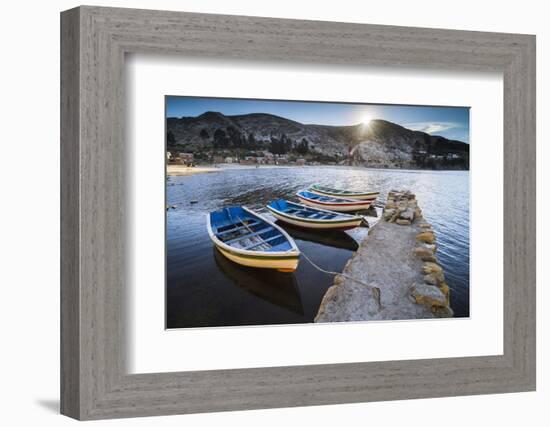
{"points": [[380, 144]]}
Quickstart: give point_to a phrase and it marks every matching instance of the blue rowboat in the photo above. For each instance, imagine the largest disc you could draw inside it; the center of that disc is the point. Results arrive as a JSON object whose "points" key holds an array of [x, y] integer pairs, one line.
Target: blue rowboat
{"points": [[308, 217], [347, 194], [337, 204], [246, 238]]}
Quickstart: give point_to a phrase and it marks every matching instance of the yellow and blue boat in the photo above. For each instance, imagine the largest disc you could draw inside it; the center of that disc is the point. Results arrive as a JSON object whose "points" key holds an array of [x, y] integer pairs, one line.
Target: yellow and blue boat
{"points": [[345, 194], [304, 216], [248, 239]]}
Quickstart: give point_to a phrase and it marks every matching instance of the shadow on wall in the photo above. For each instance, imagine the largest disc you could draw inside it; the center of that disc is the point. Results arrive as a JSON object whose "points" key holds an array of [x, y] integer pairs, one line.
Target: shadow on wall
{"points": [[51, 405]]}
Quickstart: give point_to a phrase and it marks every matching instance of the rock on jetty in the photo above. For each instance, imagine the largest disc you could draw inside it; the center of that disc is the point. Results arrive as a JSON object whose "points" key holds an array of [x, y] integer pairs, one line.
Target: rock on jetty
{"points": [[398, 258]]}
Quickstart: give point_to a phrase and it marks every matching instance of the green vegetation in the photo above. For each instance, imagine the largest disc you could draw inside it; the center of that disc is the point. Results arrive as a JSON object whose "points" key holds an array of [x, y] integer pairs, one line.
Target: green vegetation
{"points": [[230, 140]]}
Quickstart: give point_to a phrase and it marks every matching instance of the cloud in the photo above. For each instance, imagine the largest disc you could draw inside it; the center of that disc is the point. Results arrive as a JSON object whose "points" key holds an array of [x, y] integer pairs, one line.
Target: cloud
{"points": [[432, 127]]}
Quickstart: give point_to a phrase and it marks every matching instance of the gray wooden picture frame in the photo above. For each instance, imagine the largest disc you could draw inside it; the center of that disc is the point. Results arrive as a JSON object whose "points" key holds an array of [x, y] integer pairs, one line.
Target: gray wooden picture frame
{"points": [[94, 41]]}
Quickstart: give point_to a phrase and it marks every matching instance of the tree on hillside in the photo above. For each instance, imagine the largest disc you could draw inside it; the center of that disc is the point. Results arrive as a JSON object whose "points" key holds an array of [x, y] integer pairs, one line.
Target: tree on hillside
{"points": [[220, 139], [235, 137], [170, 139], [302, 147], [287, 143], [251, 142], [278, 146], [204, 134]]}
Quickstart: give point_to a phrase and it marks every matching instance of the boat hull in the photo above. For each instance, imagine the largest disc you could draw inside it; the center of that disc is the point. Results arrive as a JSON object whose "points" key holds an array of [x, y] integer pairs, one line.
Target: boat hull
{"points": [[359, 196], [336, 207], [318, 225], [288, 263]]}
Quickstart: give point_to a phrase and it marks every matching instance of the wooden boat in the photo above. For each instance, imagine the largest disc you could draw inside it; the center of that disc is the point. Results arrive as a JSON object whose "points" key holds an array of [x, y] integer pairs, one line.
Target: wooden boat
{"points": [[332, 203], [246, 238], [308, 217], [347, 194]]}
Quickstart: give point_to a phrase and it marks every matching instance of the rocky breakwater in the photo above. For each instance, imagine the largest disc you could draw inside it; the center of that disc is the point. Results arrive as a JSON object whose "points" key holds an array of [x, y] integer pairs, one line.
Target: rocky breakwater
{"points": [[394, 274]]}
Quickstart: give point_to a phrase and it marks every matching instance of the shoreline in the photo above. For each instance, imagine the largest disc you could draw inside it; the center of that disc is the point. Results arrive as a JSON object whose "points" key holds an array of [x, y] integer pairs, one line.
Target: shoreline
{"points": [[182, 170], [394, 275]]}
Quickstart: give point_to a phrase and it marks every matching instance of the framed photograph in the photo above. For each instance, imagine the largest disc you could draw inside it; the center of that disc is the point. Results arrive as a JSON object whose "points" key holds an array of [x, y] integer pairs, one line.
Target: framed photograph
{"points": [[289, 190], [263, 213]]}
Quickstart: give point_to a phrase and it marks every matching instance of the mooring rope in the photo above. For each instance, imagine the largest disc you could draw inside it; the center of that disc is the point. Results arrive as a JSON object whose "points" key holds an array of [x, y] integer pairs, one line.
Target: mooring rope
{"points": [[375, 290]]}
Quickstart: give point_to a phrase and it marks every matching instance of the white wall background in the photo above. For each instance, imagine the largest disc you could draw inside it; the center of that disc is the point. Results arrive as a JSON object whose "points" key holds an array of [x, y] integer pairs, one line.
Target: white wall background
{"points": [[29, 224]]}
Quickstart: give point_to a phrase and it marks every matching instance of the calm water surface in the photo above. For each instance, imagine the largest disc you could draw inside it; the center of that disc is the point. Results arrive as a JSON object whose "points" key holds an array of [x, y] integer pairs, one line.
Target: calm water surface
{"points": [[205, 289]]}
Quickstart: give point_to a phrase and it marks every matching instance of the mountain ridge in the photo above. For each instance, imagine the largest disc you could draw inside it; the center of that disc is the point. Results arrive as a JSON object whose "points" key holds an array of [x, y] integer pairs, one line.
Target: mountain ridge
{"points": [[379, 144]]}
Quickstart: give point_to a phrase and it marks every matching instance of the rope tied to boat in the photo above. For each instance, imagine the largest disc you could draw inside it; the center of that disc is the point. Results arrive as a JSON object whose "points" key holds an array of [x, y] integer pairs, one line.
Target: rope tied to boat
{"points": [[374, 289]]}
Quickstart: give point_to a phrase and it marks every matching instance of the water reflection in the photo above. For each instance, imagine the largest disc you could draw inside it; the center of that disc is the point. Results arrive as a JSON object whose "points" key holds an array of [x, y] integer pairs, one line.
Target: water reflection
{"points": [[333, 238], [277, 288], [197, 291]]}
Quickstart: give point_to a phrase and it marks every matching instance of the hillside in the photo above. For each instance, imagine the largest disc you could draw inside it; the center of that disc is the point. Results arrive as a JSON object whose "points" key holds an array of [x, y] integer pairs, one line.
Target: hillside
{"points": [[379, 144]]}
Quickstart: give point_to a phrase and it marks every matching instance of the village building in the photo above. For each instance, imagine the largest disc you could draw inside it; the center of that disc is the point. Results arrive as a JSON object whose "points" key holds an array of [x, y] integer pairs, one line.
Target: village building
{"points": [[186, 159], [268, 158], [248, 160], [281, 159]]}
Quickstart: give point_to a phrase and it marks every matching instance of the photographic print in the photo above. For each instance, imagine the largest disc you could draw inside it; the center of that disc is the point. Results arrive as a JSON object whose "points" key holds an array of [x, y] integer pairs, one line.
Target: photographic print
{"points": [[289, 212]]}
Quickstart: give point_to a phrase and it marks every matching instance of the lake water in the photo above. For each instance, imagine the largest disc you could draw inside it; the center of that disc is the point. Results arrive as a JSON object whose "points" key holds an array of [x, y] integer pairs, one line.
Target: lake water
{"points": [[204, 289]]}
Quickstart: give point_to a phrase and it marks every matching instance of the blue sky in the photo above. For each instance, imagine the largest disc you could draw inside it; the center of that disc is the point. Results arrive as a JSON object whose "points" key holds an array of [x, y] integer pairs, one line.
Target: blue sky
{"points": [[450, 122]]}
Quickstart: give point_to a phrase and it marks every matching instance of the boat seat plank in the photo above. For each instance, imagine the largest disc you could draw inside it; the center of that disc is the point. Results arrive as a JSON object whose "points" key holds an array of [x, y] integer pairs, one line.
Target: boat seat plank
{"points": [[309, 214], [250, 224], [324, 215], [247, 248], [246, 236], [299, 212], [294, 210]]}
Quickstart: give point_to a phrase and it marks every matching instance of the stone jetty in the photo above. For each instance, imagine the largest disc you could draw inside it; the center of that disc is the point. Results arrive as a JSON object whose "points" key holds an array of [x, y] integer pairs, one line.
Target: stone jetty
{"points": [[394, 274]]}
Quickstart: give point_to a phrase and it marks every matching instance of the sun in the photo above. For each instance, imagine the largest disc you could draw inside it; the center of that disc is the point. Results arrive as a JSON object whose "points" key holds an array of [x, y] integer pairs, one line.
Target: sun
{"points": [[366, 119]]}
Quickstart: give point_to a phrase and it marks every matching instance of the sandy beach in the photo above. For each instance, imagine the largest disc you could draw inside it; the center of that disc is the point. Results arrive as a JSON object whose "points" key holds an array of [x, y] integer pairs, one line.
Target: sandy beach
{"points": [[182, 170]]}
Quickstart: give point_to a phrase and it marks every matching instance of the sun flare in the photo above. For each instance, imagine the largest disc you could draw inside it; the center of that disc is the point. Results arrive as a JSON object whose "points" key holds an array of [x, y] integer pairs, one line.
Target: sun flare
{"points": [[366, 119]]}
